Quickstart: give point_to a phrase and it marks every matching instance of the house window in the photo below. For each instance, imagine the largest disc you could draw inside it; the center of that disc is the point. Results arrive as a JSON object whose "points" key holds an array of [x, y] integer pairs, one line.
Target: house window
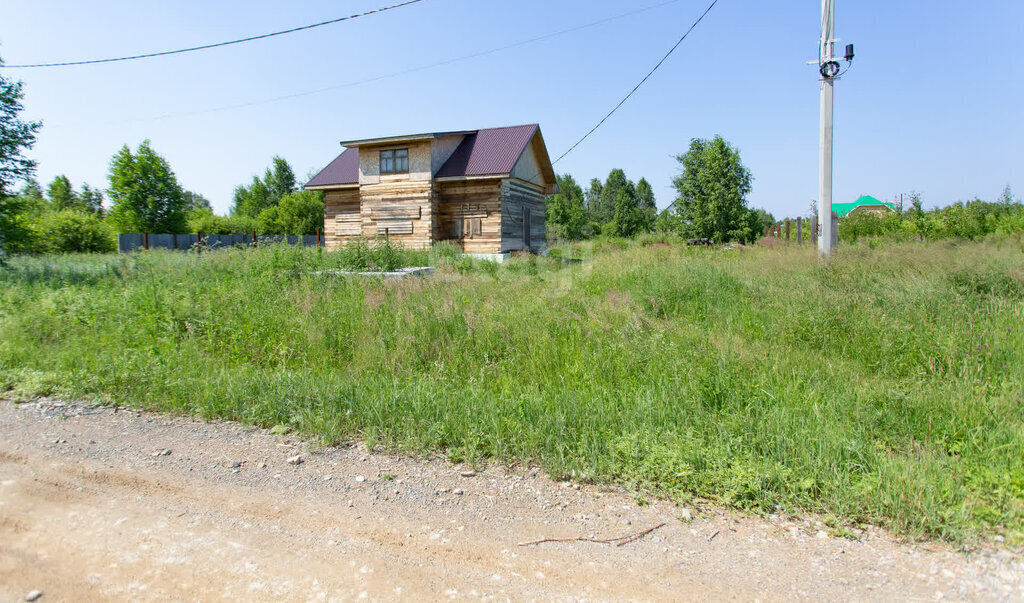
{"points": [[394, 162]]}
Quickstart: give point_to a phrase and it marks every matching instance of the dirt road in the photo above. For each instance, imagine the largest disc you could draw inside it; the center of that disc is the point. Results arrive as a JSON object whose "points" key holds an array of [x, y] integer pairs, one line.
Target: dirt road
{"points": [[99, 504]]}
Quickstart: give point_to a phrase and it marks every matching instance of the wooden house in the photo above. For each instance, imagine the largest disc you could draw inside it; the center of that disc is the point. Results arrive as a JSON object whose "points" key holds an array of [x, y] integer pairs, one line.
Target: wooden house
{"points": [[484, 190]]}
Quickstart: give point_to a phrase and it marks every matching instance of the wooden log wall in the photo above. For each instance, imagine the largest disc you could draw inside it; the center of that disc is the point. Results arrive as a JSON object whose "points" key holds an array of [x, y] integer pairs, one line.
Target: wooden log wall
{"points": [[341, 216], [469, 213], [402, 209], [516, 197]]}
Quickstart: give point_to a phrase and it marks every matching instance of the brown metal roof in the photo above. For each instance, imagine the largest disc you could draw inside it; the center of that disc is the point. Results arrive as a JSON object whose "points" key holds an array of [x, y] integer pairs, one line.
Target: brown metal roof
{"points": [[343, 170], [485, 152], [488, 151]]}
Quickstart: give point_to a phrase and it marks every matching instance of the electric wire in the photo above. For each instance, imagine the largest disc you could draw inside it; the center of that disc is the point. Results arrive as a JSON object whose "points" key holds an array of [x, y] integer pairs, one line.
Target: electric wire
{"points": [[640, 83], [402, 72], [216, 44]]}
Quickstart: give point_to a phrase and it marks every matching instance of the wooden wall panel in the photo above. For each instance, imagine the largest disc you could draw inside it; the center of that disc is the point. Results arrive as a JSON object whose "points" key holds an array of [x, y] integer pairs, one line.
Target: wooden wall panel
{"points": [[341, 216], [469, 213], [517, 196], [407, 207]]}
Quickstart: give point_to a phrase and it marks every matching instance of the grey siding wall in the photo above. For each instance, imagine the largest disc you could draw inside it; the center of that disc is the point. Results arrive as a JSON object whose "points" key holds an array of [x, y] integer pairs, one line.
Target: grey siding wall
{"points": [[518, 196]]}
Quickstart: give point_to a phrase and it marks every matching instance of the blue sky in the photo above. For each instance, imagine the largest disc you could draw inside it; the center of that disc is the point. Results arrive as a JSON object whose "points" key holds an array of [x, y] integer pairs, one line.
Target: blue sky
{"points": [[932, 103]]}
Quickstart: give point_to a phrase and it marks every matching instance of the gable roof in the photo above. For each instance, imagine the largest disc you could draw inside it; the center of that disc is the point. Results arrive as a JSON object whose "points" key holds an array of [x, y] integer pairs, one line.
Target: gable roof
{"points": [[484, 152], [343, 170], [843, 209], [488, 151]]}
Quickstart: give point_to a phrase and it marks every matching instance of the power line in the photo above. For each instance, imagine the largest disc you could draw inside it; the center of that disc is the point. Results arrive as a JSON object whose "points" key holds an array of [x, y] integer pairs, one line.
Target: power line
{"points": [[641, 83], [402, 72], [217, 44]]}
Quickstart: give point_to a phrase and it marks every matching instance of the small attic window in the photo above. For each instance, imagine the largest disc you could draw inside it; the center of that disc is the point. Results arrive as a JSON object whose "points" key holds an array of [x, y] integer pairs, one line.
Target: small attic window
{"points": [[394, 162]]}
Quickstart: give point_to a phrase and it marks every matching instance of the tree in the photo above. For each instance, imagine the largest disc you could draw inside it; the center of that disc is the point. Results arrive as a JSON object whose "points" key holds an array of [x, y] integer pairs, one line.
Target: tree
{"points": [[757, 221], [300, 213], [565, 209], [280, 178], [592, 198], [61, 194], [712, 191], [647, 205], [144, 193], [917, 215], [91, 200], [16, 136], [615, 182], [628, 220], [195, 202], [278, 181]]}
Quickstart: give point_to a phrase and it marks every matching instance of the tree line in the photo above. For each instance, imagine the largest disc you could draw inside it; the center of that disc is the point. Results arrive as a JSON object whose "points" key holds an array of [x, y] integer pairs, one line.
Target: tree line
{"points": [[711, 201], [143, 192], [962, 220]]}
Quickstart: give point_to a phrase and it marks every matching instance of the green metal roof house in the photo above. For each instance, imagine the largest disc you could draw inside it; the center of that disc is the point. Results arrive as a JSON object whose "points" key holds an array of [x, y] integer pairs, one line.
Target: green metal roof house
{"points": [[864, 204]]}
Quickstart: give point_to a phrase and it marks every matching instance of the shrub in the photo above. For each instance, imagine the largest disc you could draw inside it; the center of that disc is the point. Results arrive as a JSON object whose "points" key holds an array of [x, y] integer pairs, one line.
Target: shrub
{"points": [[71, 231]]}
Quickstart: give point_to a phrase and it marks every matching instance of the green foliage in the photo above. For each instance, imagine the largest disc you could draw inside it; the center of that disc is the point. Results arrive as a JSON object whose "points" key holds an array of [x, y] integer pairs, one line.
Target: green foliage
{"points": [[592, 199], [971, 220], [72, 231], [565, 210], [757, 221], [144, 193], [278, 180], [206, 222], [194, 202], [61, 194], [300, 213], [16, 137], [613, 185], [882, 388], [378, 255], [16, 213], [646, 204], [629, 219], [90, 200], [712, 191]]}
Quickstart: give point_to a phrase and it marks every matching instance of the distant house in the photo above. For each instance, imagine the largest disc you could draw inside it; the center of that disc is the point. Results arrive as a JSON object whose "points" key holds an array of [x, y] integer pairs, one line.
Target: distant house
{"points": [[484, 190], [866, 204]]}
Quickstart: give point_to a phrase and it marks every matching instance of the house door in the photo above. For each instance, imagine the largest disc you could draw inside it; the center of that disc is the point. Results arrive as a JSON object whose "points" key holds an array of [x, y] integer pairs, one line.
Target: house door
{"points": [[526, 228]]}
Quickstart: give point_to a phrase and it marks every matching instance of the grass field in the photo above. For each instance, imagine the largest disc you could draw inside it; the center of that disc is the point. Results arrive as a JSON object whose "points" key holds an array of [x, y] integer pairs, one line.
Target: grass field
{"points": [[884, 387]]}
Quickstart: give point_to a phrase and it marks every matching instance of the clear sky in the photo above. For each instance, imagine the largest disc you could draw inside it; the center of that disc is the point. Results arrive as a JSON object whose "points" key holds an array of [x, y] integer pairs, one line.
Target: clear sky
{"points": [[932, 103]]}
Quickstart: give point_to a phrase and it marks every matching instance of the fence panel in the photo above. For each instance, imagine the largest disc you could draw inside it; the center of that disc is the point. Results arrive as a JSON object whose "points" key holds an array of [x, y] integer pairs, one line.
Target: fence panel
{"points": [[129, 242]]}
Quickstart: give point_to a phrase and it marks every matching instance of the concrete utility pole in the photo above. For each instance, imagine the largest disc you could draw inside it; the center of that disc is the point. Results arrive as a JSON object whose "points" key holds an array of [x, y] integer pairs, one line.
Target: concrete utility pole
{"points": [[827, 45], [828, 70]]}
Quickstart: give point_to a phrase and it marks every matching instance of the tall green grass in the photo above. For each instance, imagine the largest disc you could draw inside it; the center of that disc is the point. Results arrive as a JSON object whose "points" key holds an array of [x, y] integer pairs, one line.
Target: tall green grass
{"points": [[883, 387]]}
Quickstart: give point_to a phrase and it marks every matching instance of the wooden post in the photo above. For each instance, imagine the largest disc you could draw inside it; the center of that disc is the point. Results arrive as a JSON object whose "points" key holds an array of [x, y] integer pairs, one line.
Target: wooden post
{"points": [[387, 234], [317, 237], [255, 243], [145, 240], [787, 230], [814, 228], [199, 243], [799, 231]]}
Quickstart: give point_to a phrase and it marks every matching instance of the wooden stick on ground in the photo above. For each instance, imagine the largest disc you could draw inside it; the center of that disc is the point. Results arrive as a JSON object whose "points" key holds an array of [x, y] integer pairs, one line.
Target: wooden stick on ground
{"points": [[624, 539]]}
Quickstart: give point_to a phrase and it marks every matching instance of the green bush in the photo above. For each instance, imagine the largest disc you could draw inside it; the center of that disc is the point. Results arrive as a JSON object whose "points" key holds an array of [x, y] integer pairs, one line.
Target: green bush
{"points": [[206, 222], [72, 231]]}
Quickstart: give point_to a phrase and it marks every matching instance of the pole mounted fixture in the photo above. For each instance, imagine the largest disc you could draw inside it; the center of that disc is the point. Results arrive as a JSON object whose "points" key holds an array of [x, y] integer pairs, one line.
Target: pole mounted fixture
{"points": [[829, 69]]}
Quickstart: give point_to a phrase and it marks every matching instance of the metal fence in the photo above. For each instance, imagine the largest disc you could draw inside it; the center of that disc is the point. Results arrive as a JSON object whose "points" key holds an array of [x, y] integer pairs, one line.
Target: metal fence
{"points": [[127, 243]]}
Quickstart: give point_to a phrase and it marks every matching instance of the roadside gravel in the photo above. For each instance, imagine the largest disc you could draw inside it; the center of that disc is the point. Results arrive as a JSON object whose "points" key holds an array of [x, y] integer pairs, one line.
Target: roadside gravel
{"points": [[103, 503]]}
